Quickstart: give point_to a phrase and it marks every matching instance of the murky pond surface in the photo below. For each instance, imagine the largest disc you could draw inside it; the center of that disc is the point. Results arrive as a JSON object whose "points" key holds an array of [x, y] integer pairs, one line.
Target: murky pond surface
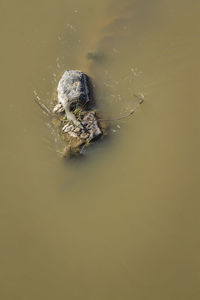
{"points": [[123, 223]]}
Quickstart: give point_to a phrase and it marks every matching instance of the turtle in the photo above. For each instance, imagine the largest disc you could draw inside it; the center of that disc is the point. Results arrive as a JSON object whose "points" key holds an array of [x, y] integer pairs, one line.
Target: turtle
{"points": [[72, 88]]}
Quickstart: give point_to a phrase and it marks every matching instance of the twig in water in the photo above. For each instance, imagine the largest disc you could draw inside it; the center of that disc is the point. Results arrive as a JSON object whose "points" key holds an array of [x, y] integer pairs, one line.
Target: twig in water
{"points": [[43, 106], [141, 100]]}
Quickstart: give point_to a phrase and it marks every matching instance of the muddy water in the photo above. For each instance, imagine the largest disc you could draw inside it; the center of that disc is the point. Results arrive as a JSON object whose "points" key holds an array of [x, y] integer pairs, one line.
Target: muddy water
{"points": [[123, 223]]}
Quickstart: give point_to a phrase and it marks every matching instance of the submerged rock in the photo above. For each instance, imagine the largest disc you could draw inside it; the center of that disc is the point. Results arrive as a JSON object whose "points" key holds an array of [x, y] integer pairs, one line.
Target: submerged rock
{"points": [[74, 113]]}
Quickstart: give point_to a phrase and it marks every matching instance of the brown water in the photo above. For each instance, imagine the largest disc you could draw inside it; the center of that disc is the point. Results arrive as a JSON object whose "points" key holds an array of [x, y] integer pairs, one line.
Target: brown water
{"points": [[123, 223]]}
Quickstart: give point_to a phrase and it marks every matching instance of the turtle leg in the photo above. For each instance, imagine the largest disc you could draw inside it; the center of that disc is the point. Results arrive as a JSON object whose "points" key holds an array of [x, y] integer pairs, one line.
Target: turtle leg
{"points": [[58, 108]]}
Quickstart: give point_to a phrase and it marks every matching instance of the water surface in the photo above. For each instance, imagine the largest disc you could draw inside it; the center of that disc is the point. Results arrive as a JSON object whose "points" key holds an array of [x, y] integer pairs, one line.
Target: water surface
{"points": [[123, 223]]}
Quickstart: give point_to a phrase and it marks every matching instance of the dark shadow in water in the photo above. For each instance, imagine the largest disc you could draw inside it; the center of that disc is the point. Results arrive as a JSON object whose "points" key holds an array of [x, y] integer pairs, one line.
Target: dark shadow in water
{"points": [[98, 57]]}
